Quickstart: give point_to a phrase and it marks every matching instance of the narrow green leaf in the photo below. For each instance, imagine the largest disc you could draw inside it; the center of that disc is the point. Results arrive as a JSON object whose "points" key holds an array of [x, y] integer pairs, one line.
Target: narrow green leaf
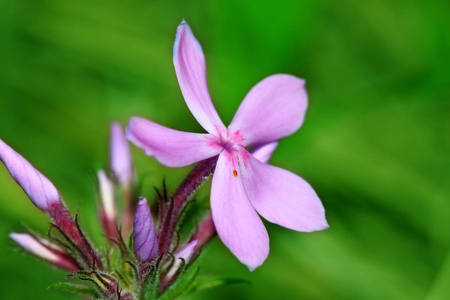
{"points": [[212, 282], [77, 289], [181, 285]]}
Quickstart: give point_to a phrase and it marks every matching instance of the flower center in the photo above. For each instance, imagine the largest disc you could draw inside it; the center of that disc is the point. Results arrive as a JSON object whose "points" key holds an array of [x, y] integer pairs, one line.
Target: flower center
{"points": [[227, 144], [230, 141]]}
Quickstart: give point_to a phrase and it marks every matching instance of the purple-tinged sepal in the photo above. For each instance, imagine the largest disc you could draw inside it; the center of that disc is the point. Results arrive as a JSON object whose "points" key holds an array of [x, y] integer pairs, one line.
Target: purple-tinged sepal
{"points": [[145, 243], [46, 250], [39, 189]]}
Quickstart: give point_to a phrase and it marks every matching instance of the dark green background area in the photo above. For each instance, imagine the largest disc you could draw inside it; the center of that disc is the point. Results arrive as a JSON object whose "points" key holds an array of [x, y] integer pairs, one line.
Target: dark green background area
{"points": [[375, 144]]}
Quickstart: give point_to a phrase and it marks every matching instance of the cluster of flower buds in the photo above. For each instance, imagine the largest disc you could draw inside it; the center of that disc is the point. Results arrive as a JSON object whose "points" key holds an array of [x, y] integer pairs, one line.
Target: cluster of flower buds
{"points": [[123, 271], [244, 188]]}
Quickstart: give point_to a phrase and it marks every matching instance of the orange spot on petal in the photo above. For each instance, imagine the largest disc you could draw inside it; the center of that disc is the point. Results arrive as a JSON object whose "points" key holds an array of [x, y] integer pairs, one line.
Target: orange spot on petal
{"points": [[235, 173]]}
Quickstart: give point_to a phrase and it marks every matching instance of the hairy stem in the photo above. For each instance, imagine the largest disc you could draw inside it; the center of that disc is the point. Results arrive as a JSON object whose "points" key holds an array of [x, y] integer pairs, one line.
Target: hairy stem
{"points": [[65, 222], [195, 178]]}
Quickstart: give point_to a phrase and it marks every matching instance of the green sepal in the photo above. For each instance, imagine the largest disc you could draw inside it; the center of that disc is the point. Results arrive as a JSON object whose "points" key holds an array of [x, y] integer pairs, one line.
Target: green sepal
{"points": [[181, 285]]}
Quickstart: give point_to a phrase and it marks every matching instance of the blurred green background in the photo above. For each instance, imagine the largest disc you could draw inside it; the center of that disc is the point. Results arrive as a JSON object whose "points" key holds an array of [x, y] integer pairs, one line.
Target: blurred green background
{"points": [[375, 144]]}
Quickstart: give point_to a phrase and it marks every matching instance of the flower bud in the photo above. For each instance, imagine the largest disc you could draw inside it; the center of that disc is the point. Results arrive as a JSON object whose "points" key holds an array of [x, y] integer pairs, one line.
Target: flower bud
{"points": [[185, 254], [108, 210], [45, 250], [39, 189], [121, 164], [46, 197], [186, 251], [145, 243]]}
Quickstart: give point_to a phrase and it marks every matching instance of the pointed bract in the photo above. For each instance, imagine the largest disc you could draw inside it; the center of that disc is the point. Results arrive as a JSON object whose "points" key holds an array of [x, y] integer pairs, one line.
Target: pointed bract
{"points": [[145, 243], [121, 163], [39, 189]]}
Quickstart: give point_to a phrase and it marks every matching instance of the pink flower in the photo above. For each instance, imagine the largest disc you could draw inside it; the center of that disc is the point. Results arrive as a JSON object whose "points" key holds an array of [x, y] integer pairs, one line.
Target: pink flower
{"points": [[243, 185]]}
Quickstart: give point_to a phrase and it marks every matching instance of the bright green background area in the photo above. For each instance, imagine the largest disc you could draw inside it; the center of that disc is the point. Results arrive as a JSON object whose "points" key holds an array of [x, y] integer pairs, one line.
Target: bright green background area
{"points": [[375, 144]]}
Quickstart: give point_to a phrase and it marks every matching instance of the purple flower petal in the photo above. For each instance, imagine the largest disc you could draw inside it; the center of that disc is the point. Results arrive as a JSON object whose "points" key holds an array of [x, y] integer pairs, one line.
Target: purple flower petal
{"points": [[38, 188], [281, 197], [190, 67], [237, 223], [263, 152], [145, 243], [273, 109], [170, 147], [121, 164]]}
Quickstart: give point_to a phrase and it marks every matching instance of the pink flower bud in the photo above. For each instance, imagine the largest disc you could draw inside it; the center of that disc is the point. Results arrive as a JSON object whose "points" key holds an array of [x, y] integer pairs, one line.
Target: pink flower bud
{"points": [[121, 164], [108, 210], [46, 197], [39, 189], [45, 250], [185, 253], [145, 243]]}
